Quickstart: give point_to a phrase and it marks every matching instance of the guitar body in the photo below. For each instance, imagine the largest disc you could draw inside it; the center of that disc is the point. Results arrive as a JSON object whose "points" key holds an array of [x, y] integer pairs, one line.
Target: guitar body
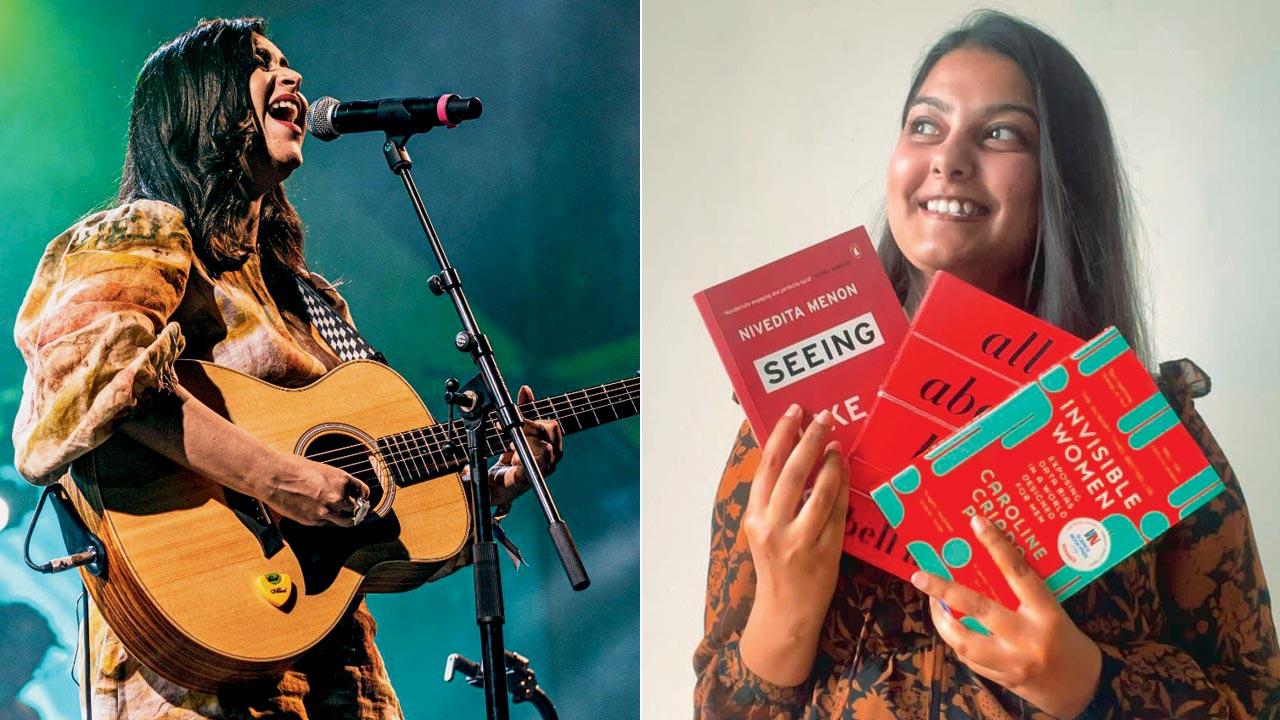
{"points": [[188, 586]]}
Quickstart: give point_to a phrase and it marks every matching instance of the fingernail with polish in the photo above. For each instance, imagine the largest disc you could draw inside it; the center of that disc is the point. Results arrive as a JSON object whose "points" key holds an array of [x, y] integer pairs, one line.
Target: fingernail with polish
{"points": [[824, 418], [793, 411], [976, 522], [834, 447], [919, 579]]}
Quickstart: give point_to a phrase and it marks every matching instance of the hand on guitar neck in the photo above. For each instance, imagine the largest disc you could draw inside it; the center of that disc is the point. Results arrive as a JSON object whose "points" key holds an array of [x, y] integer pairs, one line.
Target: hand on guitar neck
{"points": [[507, 479], [186, 431]]}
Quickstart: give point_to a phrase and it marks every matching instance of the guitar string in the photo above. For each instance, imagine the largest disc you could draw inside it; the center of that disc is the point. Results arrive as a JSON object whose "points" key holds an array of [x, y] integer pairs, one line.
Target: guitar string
{"points": [[417, 463], [402, 460], [559, 405], [563, 408], [402, 454]]}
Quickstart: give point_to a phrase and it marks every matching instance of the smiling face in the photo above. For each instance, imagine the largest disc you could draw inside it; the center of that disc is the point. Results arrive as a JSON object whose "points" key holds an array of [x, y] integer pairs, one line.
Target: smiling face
{"points": [[279, 109], [963, 183]]}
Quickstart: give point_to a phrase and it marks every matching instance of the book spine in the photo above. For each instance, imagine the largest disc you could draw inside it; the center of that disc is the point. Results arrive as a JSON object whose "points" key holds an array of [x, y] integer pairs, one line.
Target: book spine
{"points": [[870, 538]]}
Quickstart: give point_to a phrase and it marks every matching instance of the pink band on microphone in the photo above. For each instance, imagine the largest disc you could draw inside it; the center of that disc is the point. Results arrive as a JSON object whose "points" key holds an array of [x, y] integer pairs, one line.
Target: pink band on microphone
{"points": [[441, 112]]}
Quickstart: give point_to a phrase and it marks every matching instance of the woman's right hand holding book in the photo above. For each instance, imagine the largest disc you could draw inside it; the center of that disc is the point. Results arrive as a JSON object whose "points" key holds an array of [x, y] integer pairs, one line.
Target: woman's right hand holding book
{"points": [[795, 546]]}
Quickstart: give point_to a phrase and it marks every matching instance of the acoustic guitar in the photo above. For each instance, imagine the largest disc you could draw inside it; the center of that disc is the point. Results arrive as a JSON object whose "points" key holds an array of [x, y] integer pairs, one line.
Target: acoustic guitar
{"points": [[208, 587]]}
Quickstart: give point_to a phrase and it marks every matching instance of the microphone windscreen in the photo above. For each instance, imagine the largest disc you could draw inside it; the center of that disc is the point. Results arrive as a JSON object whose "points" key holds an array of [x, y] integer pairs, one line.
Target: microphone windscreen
{"points": [[320, 119]]}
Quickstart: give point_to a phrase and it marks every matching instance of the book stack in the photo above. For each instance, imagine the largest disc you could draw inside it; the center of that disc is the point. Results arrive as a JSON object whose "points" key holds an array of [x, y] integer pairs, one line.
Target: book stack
{"points": [[964, 352], [976, 407]]}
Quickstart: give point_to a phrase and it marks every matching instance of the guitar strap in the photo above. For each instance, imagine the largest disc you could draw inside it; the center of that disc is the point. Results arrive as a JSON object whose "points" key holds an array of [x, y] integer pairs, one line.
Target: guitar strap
{"points": [[349, 344], [342, 338]]}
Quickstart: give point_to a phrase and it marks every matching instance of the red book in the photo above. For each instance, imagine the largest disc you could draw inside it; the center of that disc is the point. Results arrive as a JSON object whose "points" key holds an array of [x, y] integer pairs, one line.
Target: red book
{"points": [[965, 352], [818, 327], [1080, 468]]}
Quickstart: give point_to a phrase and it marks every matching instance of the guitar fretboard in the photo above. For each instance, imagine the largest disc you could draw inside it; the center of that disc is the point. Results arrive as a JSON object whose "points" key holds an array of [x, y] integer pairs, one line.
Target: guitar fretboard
{"points": [[435, 450]]}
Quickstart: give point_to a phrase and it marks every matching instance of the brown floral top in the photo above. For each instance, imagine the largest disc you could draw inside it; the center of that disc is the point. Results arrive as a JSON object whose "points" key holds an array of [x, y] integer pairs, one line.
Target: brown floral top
{"points": [[115, 300], [1185, 624]]}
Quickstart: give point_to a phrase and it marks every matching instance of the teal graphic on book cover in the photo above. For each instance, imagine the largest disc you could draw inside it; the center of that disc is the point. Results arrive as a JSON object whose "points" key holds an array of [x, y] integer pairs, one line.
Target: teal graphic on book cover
{"points": [[1080, 468]]}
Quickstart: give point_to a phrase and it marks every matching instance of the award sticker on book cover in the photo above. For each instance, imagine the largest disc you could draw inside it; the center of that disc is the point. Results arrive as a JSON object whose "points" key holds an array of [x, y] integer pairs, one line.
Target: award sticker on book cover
{"points": [[1084, 544]]}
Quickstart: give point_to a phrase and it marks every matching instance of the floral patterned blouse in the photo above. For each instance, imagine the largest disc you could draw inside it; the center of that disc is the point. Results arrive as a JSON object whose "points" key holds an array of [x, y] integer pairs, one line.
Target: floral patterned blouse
{"points": [[1185, 624], [116, 299]]}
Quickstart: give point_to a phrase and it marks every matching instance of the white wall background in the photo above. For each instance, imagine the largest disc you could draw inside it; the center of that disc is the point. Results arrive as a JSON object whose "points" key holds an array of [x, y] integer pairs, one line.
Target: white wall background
{"points": [[768, 126]]}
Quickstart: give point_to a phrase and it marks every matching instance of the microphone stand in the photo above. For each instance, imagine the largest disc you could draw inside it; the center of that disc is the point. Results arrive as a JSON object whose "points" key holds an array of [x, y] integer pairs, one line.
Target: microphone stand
{"points": [[491, 393]]}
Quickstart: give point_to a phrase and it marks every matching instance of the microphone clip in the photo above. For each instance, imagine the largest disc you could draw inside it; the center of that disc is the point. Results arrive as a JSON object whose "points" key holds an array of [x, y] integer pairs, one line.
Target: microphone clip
{"points": [[397, 117], [396, 156]]}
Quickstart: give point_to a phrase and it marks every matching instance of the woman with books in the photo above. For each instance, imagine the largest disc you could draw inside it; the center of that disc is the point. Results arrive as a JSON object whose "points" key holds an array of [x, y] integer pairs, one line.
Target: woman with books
{"points": [[1005, 175]]}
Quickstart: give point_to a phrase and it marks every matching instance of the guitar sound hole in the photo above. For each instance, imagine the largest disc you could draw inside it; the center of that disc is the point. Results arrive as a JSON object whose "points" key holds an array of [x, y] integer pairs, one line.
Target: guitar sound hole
{"points": [[350, 454]]}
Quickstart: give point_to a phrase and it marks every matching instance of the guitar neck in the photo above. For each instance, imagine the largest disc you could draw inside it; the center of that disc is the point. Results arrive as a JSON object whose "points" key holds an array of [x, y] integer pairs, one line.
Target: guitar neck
{"points": [[439, 449]]}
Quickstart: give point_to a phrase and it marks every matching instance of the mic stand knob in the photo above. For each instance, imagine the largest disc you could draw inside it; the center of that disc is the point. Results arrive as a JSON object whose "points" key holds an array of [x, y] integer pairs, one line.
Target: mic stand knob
{"points": [[521, 681], [464, 401]]}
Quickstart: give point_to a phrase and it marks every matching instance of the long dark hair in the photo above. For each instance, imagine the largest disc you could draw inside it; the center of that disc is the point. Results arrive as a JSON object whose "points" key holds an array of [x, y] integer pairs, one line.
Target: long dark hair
{"points": [[191, 130], [1082, 275]]}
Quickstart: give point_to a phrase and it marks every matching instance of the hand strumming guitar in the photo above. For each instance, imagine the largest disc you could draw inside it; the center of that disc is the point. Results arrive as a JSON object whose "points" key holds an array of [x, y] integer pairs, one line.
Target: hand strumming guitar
{"points": [[186, 431], [309, 492]]}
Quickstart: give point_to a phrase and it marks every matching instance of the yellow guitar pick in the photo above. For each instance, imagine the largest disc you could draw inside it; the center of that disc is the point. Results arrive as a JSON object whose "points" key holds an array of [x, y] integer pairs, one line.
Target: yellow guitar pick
{"points": [[276, 587]]}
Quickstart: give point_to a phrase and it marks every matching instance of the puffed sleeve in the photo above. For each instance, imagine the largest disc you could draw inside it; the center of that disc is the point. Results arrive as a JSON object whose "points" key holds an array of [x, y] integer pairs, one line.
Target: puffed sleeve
{"points": [[726, 687], [94, 331], [1218, 656]]}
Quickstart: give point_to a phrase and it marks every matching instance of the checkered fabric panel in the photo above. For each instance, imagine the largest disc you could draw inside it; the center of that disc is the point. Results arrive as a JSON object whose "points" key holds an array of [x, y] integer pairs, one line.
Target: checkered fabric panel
{"points": [[345, 341]]}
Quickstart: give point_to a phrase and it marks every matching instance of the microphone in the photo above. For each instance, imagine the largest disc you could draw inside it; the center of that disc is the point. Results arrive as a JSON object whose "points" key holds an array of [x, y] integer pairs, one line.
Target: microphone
{"points": [[328, 118]]}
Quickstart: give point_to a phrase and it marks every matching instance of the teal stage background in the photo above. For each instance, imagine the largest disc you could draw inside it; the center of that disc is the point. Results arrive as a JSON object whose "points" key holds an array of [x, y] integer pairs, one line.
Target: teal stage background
{"points": [[538, 203]]}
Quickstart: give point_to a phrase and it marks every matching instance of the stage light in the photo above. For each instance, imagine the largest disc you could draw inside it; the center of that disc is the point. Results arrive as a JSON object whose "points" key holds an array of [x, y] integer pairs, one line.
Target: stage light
{"points": [[17, 498]]}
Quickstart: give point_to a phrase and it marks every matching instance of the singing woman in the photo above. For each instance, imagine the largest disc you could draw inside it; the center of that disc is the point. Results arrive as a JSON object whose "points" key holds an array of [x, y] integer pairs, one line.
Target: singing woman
{"points": [[197, 260], [1003, 124]]}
